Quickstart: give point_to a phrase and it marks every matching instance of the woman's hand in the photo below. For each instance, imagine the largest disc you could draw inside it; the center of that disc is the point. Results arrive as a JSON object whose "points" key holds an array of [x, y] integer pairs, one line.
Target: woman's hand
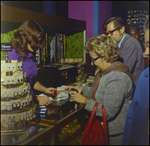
{"points": [[50, 90], [38, 86], [78, 88], [77, 97], [43, 100]]}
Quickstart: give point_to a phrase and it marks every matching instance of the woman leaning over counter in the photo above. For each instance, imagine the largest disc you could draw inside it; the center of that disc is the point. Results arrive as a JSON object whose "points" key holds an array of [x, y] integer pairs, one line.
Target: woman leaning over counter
{"points": [[28, 38], [112, 86]]}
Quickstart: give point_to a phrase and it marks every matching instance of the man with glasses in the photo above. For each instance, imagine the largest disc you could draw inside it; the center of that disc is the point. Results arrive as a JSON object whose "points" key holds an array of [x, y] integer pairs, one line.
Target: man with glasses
{"points": [[130, 50], [136, 130]]}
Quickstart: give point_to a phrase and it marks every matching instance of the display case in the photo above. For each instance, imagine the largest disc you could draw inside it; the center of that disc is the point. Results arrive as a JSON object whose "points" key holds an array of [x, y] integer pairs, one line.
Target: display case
{"points": [[63, 115], [40, 132], [60, 32], [37, 133], [17, 106], [47, 130], [137, 17], [56, 76]]}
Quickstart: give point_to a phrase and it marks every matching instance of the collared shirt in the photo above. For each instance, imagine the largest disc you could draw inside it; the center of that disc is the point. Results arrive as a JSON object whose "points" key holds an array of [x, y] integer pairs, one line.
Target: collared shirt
{"points": [[119, 44]]}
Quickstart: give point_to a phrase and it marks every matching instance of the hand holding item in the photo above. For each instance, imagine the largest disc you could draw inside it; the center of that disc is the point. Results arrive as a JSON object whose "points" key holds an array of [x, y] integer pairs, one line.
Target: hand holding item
{"points": [[79, 88], [50, 90], [44, 100], [78, 98], [54, 94], [74, 88]]}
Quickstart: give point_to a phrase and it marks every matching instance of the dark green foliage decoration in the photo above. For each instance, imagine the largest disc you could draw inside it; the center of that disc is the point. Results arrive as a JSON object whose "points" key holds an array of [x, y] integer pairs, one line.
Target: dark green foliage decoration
{"points": [[75, 46], [6, 38]]}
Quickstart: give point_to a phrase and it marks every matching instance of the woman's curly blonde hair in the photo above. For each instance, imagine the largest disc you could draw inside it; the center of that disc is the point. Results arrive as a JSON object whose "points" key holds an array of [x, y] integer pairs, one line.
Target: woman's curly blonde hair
{"points": [[104, 46]]}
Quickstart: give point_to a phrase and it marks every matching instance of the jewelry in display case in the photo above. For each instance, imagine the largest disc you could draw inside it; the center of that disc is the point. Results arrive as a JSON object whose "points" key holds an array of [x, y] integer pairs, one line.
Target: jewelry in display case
{"points": [[137, 17], [56, 49], [17, 107]]}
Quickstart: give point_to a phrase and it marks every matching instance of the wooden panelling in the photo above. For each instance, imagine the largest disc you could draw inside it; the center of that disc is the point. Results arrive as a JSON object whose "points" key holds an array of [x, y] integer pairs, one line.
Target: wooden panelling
{"points": [[4, 13], [35, 16], [17, 15], [40, 17], [25, 15], [28, 5]]}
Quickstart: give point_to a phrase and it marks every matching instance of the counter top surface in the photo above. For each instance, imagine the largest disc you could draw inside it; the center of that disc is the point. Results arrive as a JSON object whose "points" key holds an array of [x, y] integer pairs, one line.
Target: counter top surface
{"points": [[62, 67], [56, 118]]}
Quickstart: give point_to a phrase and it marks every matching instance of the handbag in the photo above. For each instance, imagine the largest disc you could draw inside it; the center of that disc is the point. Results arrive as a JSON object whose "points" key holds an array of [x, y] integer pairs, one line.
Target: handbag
{"points": [[95, 133]]}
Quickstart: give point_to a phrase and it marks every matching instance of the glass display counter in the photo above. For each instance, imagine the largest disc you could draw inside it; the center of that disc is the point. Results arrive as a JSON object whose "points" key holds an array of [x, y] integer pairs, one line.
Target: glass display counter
{"points": [[45, 130], [62, 115], [33, 135]]}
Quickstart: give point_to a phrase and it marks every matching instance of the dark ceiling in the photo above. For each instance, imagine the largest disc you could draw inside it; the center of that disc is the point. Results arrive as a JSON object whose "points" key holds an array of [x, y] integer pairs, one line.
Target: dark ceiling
{"points": [[60, 6], [119, 8]]}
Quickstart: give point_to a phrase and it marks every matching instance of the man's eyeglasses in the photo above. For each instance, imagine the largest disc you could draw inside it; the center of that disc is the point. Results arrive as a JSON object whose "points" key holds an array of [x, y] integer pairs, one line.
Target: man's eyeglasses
{"points": [[111, 32], [93, 60]]}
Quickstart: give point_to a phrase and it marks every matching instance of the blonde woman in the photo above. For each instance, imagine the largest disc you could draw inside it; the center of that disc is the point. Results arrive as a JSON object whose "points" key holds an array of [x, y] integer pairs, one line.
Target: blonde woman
{"points": [[112, 86]]}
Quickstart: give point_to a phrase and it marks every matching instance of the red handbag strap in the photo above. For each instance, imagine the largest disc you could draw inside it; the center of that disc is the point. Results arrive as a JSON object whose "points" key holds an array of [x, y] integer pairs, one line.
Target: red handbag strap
{"points": [[104, 120], [93, 115], [104, 123]]}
